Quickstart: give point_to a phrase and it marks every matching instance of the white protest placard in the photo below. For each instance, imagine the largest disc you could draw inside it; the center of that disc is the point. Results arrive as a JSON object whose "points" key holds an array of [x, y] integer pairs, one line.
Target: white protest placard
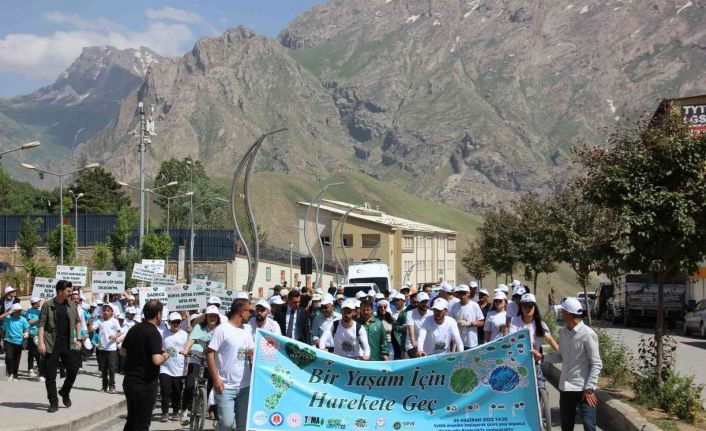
{"points": [[149, 293], [226, 296], [75, 274], [164, 280], [108, 282], [185, 297], [209, 285], [142, 272], [157, 265], [44, 288]]}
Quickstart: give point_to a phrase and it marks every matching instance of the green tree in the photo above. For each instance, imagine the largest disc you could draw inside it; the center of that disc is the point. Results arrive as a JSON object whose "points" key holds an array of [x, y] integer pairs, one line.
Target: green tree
{"points": [[18, 197], [102, 194], [28, 238], [54, 244], [157, 246], [652, 178], [474, 263], [589, 237], [119, 236], [533, 237], [496, 240], [101, 257]]}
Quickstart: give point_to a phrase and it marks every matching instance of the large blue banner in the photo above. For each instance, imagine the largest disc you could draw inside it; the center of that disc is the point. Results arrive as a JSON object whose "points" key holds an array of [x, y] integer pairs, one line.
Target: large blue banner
{"points": [[491, 388]]}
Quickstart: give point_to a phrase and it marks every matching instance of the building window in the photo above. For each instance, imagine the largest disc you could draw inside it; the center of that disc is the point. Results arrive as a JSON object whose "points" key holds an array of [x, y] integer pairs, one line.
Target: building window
{"points": [[408, 242], [420, 241], [420, 265], [428, 265], [451, 244], [347, 240], [370, 240], [429, 243], [451, 265], [440, 264], [326, 240], [440, 243], [408, 264]]}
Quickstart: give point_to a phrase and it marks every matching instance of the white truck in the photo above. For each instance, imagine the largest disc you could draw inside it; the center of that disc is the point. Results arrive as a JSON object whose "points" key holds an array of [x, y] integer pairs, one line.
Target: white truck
{"points": [[371, 271]]}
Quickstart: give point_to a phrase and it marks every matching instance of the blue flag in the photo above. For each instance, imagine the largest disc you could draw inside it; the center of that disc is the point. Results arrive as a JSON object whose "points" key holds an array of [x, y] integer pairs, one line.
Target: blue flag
{"points": [[492, 387]]}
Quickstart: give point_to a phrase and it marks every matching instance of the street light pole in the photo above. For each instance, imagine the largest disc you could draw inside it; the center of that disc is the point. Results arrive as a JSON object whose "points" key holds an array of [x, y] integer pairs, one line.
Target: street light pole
{"points": [[61, 198], [318, 234], [76, 198], [290, 263], [191, 219], [26, 146]]}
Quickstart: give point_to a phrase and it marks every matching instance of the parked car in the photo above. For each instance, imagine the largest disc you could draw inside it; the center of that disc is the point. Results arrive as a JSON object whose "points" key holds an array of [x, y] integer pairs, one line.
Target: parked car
{"points": [[591, 300], [695, 319]]}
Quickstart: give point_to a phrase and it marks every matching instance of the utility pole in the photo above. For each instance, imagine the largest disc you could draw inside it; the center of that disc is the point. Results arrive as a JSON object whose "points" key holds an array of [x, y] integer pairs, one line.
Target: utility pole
{"points": [[146, 130]]}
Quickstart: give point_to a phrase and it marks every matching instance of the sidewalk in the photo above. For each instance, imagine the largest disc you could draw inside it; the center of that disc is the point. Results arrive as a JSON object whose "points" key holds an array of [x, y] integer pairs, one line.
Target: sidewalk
{"points": [[23, 403]]}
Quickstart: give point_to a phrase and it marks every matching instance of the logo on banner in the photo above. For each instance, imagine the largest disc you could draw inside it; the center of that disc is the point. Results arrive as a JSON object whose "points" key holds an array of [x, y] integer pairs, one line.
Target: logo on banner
{"points": [[276, 419], [259, 418], [294, 420], [313, 421], [269, 347]]}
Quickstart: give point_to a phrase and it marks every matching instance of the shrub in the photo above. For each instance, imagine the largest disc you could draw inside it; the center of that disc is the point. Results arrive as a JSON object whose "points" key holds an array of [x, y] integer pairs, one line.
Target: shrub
{"points": [[157, 246], [681, 397], [37, 269], [101, 257], [28, 238], [616, 358], [54, 243]]}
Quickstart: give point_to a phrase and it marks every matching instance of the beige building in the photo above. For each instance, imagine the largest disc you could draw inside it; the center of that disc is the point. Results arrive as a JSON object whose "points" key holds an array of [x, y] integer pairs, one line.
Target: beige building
{"points": [[417, 252]]}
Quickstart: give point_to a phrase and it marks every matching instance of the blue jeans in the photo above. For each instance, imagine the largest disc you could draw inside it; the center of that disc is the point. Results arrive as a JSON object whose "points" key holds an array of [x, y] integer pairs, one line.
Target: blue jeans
{"points": [[232, 407], [568, 402]]}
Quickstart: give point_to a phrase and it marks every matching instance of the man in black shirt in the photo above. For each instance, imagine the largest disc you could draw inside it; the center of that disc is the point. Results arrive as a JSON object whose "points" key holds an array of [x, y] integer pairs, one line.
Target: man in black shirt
{"points": [[142, 349], [59, 333]]}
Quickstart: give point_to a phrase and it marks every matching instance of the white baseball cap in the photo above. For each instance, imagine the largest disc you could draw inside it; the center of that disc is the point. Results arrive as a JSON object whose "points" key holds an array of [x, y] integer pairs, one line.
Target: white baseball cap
{"points": [[134, 291], [399, 296], [360, 295], [516, 283], [572, 305], [371, 293], [393, 292], [327, 300], [499, 295], [212, 309], [446, 287], [349, 304], [528, 298], [473, 284], [276, 300], [263, 303], [380, 295], [16, 307], [406, 286], [120, 316], [422, 296], [85, 306], [99, 302], [174, 316], [242, 295], [214, 300], [383, 302], [462, 288], [440, 304], [284, 292], [316, 297], [483, 290], [196, 315], [35, 299], [130, 310], [9, 289], [502, 288], [518, 290]]}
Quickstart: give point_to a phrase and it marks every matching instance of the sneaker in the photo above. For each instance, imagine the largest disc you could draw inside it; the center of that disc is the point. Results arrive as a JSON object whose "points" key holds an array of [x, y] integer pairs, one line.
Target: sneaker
{"points": [[32, 373], [185, 418], [111, 390], [104, 389], [164, 418], [65, 399], [10, 378], [175, 416], [53, 408], [41, 379]]}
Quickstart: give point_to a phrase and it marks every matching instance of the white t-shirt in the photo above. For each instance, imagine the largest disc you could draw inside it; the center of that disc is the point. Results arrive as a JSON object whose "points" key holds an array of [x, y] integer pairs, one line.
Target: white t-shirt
{"points": [[494, 323], [512, 309], [435, 338], [322, 324], [173, 343], [517, 324], [345, 342], [106, 329], [232, 346], [415, 319], [453, 303], [465, 315], [269, 326]]}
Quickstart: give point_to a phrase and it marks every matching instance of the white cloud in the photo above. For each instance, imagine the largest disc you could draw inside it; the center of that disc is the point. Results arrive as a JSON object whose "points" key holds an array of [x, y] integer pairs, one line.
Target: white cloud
{"points": [[174, 14], [46, 56], [80, 23]]}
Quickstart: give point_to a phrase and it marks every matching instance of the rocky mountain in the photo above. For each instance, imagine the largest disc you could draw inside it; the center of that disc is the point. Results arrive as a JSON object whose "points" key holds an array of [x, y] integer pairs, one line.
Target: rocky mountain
{"points": [[213, 102], [80, 103], [466, 102]]}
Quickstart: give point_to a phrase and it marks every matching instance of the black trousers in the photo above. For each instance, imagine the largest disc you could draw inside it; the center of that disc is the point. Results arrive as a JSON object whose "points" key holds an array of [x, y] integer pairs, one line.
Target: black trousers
{"points": [[108, 361], [140, 403], [194, 372], [33, 355], [171, 388], [569, 401], [13, 354], [68, 358]]}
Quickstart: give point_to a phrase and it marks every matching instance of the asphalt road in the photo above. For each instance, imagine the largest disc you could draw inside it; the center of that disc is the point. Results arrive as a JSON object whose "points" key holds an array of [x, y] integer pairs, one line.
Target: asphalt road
{"points": [[116, 424], [691, 350]]}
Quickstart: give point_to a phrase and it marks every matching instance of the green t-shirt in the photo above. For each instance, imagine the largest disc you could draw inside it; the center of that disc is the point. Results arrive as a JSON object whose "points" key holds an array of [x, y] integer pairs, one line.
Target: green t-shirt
{"points": [[200, 334]]}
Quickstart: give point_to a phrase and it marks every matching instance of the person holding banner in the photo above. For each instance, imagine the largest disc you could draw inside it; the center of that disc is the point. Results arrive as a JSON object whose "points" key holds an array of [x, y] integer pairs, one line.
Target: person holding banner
{"points": [[495, 320], [377, 336], [323, 321], [438, 332], [59, 327], [229, 360], [468, 316], [415, 317], [261, 320], [349, 337]]}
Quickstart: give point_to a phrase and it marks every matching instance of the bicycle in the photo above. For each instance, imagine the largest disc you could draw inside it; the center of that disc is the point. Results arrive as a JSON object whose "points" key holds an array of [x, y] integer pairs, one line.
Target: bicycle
{"points": [[199, 402], [544, 407]]}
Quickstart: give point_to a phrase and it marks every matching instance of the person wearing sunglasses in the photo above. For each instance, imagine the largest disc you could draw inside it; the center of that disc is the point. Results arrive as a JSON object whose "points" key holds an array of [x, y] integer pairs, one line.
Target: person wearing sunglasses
{"points": [[173, 370]]}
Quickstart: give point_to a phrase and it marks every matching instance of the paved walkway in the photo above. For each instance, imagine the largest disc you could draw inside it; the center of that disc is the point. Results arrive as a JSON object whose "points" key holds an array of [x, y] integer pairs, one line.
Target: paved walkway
{"points": [[23, 403]]}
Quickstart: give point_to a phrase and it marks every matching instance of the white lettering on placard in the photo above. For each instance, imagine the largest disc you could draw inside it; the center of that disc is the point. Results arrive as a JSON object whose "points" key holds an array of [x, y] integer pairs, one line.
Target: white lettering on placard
{"points": [[142, 272], [108, 282], [186, 297], [164, 280], [149, 293]]}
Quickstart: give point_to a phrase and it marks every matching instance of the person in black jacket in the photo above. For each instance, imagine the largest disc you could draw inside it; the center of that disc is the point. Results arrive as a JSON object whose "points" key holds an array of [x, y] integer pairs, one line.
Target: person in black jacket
{"points": [[293, 320]]}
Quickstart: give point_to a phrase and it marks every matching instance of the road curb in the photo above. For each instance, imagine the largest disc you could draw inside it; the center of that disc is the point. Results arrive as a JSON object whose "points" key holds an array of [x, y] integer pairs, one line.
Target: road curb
{"points": [[612, 413], [88, 419]]}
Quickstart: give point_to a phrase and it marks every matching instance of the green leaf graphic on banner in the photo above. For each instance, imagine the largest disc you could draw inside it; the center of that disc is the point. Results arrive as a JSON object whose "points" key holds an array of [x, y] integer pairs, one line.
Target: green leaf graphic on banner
{"points": [[301, 357], [463, 381]]}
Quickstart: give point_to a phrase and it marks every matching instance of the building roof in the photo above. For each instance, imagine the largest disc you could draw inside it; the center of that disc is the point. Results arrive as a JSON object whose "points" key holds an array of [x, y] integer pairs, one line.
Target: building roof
{"points": [[377, 216]]}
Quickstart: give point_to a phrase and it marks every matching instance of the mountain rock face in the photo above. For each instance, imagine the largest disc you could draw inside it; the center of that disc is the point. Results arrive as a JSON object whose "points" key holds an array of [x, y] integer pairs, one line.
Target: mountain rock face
{"points": [[475, 101], [84, 99], [215, 101]]}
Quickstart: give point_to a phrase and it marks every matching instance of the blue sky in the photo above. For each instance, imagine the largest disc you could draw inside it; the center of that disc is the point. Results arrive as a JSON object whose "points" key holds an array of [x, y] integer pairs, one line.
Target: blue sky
{"points": [[39, 39]]}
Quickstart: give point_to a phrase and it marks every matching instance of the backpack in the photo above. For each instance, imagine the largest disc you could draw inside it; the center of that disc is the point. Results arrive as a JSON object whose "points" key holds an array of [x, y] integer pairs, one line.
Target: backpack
{"points": [[357, 329]]}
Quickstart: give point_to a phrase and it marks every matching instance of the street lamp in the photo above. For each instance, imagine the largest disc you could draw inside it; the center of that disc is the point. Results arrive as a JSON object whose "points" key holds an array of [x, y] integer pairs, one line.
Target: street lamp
{"points": [[191, 167], [317, 200], [26, 146], [61, 197], [169, 200], [76, 198], [147, 210]]}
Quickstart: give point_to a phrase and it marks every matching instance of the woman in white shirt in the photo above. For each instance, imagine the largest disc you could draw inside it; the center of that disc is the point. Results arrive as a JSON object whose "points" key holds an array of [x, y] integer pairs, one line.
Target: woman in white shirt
{"points": [[495, 320], [529, 318], [173, 370]]}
